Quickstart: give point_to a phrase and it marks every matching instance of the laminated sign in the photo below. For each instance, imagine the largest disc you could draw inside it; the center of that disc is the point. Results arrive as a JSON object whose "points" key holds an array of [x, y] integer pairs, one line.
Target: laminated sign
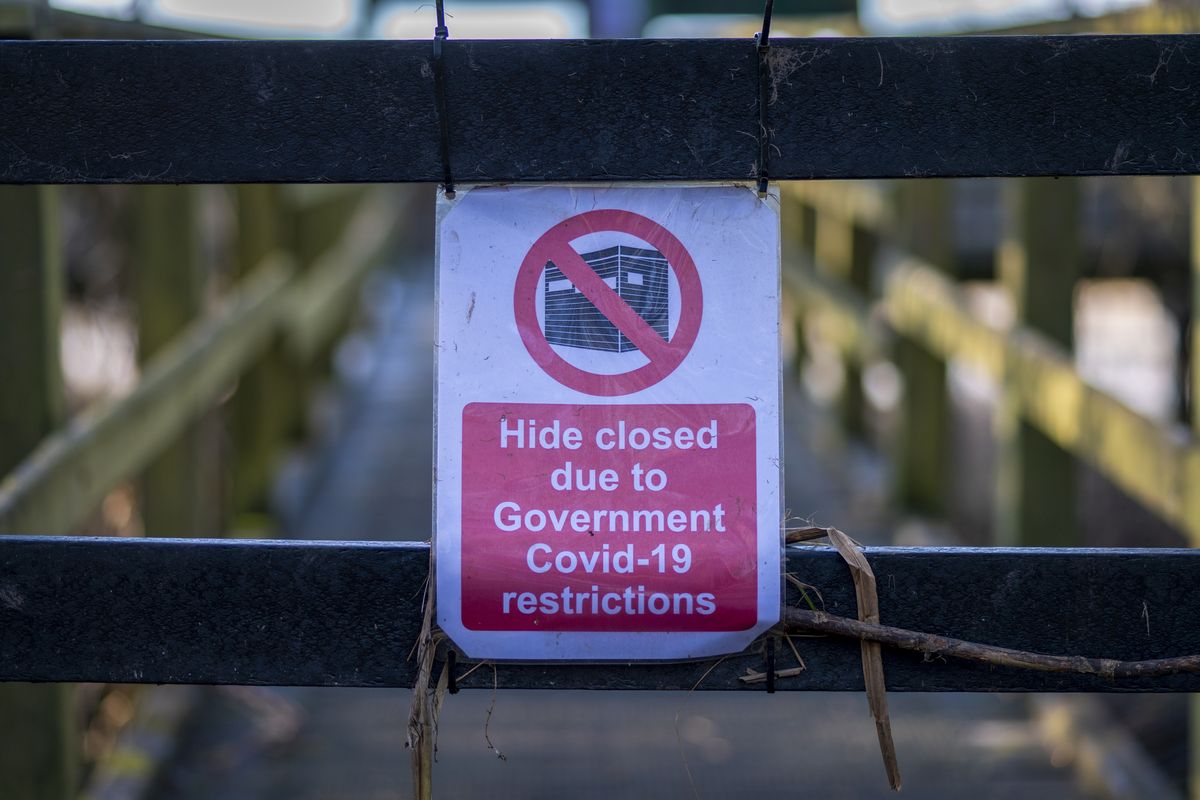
{"points": [[608, 382]]}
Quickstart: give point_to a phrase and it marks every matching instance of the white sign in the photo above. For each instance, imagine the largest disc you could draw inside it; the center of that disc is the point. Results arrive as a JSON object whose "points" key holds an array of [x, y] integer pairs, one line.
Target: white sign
{"points": [[608, 458], [907, 17]]}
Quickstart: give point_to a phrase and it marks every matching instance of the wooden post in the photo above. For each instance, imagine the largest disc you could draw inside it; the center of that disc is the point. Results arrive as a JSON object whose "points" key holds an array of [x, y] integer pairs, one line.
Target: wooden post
{"points": [[270, 403], [1194, 350], [925, 222], [863, 247], [834, 245], [1038, 263], [803, 222], [31, 294], [289, 396], [39, 759], [259, 427], [806, 233], [318, 227], [168, 288], [1193, 485], [845, 252]]}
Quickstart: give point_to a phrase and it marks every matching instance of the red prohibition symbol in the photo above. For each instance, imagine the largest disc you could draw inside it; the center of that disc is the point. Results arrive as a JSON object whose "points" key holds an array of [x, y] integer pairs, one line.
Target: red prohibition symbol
{"points": [[663, 357]]}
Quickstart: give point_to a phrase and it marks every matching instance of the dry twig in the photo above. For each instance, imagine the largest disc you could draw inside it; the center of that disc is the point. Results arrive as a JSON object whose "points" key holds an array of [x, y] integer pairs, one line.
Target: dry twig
{"points": [[487, 722], [797, 620], [422, 717], [795, 652], [805, 534], [758, 677]]}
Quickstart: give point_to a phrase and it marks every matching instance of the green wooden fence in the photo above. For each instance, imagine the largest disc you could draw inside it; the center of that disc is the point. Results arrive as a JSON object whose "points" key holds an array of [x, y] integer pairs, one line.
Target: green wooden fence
{"points": [[1049, 413], [267, 336], [244, 361], [855, 279]]}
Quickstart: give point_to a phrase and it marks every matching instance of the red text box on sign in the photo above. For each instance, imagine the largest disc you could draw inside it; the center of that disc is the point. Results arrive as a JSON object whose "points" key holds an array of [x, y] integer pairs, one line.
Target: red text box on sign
{"points": [[677, 554]]}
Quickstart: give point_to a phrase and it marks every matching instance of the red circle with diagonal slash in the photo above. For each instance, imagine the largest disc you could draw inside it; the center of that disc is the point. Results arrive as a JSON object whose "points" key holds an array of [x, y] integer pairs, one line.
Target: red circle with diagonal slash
{"points": [[555, 245]]}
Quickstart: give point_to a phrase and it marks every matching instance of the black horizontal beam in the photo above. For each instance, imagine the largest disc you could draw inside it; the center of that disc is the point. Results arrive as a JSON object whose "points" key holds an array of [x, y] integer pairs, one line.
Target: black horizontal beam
{"points": [[210, 111], [347, 614]]}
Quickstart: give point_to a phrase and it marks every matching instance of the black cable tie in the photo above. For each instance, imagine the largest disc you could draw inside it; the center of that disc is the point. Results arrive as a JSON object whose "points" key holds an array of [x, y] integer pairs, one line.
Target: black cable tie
{"points": [[451, 663], [763, 41], [440, 34], [770, 645]]}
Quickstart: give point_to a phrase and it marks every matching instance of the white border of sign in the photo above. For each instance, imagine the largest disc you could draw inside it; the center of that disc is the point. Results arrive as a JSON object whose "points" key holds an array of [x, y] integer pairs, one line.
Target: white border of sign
{"points": [[481, 358]]}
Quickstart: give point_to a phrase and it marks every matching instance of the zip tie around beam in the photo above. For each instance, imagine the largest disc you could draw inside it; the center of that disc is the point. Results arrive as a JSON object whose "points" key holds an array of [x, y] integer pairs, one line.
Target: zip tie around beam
{"points": [[440, 34], [763, 41]]}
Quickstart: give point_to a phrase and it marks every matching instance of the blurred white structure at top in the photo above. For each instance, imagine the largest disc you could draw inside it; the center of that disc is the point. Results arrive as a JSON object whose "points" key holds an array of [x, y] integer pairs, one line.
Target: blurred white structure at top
{"points": [[562, 19], [249, 18], [898, 17], [398, 19], [117, 9], [711, 26]]}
